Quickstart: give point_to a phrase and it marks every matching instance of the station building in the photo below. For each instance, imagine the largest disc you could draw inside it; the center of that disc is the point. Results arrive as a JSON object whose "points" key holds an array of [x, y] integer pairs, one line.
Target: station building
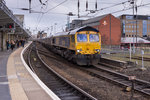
{"points": [[119, 31], [135, 25], [136, 29], [11, 26], [108, 25]]}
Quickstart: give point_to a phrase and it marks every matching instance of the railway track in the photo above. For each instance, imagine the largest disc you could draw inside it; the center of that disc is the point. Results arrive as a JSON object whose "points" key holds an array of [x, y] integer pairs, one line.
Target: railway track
{"points": [[64, 89], [102, 72], [118, 78], [140, 58]]}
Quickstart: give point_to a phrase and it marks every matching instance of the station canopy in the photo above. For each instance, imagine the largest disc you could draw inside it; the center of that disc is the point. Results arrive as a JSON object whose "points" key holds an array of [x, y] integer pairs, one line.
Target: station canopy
{"points": [[133, 40], [9, 23]]}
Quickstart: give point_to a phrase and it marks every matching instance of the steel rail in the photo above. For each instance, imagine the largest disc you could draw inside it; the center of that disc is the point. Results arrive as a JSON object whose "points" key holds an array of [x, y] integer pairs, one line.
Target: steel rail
{"points": [[79, 93], [118, 78], [29, 60], [115, 77]]}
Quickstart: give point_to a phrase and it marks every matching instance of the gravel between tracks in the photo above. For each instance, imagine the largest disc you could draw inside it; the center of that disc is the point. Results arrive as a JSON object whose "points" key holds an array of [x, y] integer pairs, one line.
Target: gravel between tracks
{"points": [[98, 88], [136, 71], [133, 71]]}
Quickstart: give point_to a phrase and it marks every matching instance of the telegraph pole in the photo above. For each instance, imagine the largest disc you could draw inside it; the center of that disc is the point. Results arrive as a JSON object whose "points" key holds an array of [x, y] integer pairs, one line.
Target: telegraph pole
{"points": [[133, 4], [136, 25], [78, 8], [29, 6]]}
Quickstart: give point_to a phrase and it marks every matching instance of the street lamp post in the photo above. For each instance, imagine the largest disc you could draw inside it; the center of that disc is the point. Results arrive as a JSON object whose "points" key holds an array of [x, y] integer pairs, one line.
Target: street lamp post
{"points": [[133, 4], [29, 6], [136, 25]]}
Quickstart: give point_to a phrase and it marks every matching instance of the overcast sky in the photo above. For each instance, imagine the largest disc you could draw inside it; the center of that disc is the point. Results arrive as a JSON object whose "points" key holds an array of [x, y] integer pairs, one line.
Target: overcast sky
{"points": [[57, 17]]}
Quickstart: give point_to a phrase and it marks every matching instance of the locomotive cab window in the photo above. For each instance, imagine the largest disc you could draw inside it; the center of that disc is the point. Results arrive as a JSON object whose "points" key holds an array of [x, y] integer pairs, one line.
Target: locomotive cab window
{"points": [[72, 38], [82, 37], [94, 38]]}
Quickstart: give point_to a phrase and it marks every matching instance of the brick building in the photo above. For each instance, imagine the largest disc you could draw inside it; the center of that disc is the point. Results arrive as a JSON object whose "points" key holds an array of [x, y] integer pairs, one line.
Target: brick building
{"points": [[108, 25]]}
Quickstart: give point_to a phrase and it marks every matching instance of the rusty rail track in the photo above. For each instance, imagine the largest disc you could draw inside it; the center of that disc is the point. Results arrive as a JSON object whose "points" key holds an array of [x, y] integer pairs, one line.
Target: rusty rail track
{"points": [[63, 88]]}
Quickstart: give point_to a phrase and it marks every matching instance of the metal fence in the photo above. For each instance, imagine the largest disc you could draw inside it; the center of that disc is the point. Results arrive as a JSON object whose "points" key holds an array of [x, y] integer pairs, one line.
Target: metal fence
{"points": [[127, 55]]}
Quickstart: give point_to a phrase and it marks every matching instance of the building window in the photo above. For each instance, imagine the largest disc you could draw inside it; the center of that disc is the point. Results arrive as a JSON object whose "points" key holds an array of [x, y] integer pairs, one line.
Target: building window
{"points": [[144, 27], [129, 17], [129, 26]]}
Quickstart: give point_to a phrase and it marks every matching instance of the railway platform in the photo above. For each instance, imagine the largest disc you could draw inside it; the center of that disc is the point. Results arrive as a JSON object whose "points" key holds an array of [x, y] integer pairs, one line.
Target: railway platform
{"points": [[16, 83]]}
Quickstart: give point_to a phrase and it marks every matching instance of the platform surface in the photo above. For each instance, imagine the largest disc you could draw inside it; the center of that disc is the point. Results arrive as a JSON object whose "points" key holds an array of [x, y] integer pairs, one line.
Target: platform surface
{"points": [[4, 85], [20, 84]]}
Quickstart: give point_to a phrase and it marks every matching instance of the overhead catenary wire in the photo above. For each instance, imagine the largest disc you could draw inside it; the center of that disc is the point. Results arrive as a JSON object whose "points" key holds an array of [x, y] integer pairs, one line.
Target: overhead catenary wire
{"points": [[39, 17], [42, 2], [114, 5], [117, 4], [50, 10], [131, 8], [124, 9], [55, 6]]}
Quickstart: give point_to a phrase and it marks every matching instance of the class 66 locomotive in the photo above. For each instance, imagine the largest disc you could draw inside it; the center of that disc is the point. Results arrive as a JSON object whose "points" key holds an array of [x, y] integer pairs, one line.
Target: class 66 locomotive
{"points": [[82, 45]]}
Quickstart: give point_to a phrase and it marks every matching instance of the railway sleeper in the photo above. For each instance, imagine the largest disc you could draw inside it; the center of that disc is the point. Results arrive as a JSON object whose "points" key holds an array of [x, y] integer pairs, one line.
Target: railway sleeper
{"points": [[71, 98], [60, 88], [65, 91], [65, 94]]}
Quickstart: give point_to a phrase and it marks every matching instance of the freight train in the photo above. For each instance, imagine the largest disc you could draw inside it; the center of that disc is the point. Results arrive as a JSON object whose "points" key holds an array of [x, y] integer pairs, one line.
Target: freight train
{"points": [[82, 45]]}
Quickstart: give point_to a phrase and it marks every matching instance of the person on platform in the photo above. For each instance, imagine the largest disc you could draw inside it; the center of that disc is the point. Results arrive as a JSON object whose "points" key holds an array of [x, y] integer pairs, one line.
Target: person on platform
{"points": [[12, 44], [7, 45], [17, 42], [23, 42]]}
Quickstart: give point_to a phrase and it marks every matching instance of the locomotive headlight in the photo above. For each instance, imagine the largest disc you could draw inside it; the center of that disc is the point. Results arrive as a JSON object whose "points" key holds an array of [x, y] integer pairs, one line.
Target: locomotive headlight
{"points": [[97, 50], [78, 51]]}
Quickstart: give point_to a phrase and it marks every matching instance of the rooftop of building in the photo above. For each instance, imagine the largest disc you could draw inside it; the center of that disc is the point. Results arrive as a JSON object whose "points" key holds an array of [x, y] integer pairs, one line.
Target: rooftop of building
{"points": [[140, 17], [133, 40], [95, 19]]}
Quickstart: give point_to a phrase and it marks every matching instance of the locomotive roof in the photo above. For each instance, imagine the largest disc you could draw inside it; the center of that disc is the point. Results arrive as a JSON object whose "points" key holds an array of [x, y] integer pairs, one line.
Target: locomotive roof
{"points": [[60, 33], [85, 28]]}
